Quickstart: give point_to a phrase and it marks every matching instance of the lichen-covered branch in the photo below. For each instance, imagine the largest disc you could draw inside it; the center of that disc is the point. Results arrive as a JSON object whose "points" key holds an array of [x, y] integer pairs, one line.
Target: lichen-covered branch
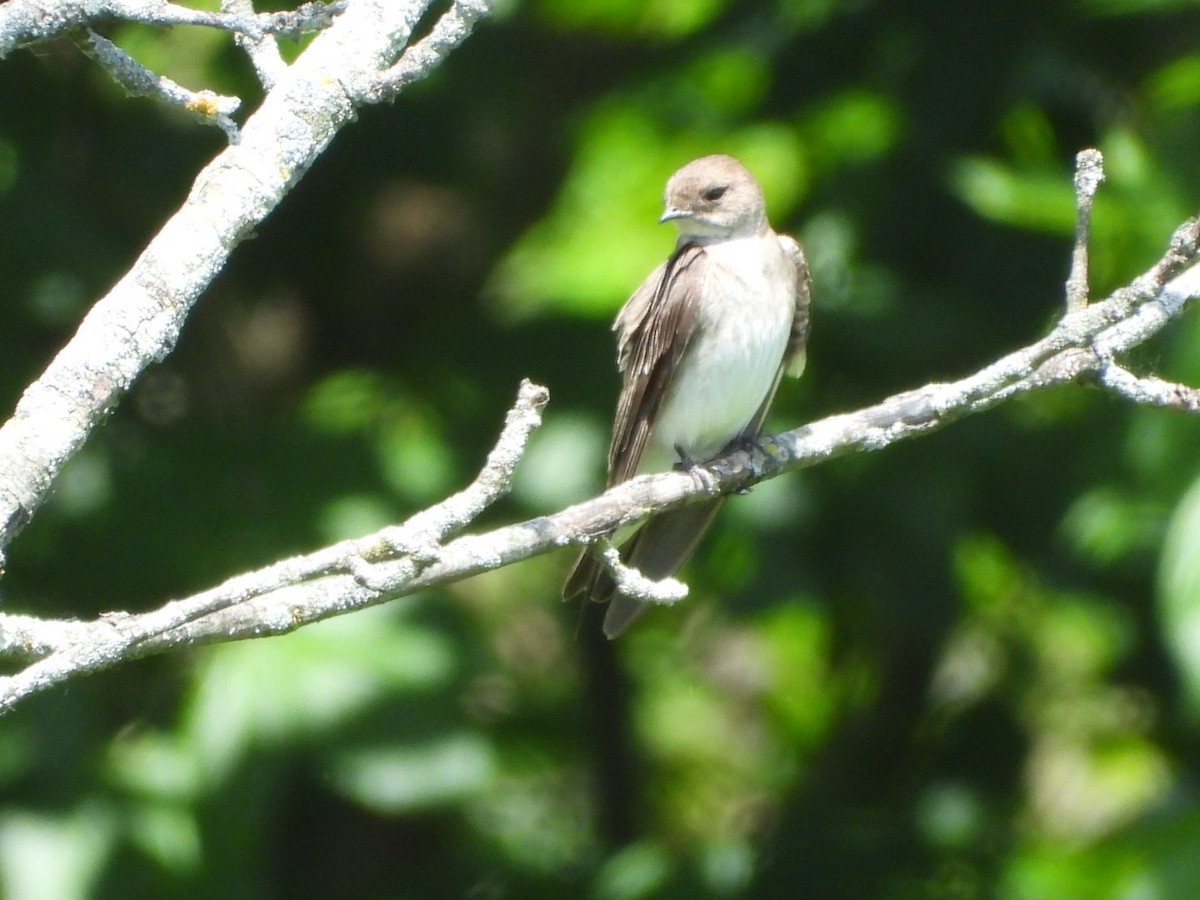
{"points": [[139, 81], [417, 556], [263, 51], [449, 31], [26, 22], [139, 320], [1089, 172], [71, 648]]}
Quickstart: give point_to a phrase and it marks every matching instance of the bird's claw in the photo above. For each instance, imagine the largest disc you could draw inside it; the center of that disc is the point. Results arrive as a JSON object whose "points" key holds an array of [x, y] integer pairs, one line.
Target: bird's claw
{"points": [[685, 462]]}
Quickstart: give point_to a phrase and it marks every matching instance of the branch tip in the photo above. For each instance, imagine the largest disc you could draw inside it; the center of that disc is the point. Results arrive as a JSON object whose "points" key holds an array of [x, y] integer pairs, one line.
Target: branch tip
{"points": [[631, 583], [1089, 172], [1148, 390]]}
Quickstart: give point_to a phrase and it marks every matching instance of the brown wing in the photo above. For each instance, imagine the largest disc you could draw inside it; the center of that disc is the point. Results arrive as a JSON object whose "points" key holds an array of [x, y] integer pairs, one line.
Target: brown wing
{"points": [[653, 328], [794, 358]]}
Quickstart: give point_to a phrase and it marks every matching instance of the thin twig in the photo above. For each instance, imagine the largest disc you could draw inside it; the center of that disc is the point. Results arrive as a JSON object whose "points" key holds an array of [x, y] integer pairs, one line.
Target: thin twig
{"points": [[208, 107], [1089, 172], [1149, 390], [451, 30], [26, 22], [631, 583], [263, 51]]}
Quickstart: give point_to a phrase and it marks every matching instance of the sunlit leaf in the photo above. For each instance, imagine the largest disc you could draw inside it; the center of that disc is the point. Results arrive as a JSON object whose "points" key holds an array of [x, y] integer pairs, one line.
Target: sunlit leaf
{"points": [[1179, 592], [74, 846], [411, 776], [267, 692]]}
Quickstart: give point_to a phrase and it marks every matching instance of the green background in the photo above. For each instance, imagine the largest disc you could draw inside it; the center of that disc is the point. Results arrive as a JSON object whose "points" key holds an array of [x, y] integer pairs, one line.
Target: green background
{"points": [[967, 666]]}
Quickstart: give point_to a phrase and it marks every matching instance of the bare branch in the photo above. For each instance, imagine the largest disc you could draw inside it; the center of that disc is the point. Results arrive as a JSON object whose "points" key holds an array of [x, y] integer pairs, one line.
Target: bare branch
{"points": [[263, 52], [633, 584], [1149, 390], [25, 22], [418, 60], [1089, 172], [24, 638], [72, 648], [139, 320], [139, 81]]}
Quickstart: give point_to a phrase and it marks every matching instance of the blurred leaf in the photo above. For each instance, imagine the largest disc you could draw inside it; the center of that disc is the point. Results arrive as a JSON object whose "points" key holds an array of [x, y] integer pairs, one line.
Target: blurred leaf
{"points": [[537, 813], [729, 81], [1176, 86], [853, 127], [672, 18], [352, 516], [71, 848], [414, 458], [1108, 524], [1029, 135], [1179, 593], [638, 871], [726, 866], [1041, 201], [259, 694], [402, 778], [565, 463], [1154, 860], [1081, 638], [797, 645], [170, 835], [347, 401]]}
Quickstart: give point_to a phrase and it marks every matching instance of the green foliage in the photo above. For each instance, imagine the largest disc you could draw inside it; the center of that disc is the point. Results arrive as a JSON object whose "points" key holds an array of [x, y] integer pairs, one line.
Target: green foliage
{"points": [[963, 667]]}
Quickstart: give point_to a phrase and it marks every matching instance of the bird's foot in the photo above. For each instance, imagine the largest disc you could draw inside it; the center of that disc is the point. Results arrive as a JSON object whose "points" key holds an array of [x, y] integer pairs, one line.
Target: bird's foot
{"points": [[685, 463], [695, 469], [747, 443]]}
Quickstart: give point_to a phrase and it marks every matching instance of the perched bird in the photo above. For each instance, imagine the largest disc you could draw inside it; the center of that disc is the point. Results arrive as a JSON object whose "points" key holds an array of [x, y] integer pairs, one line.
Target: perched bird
{"points": [[701, 347]]}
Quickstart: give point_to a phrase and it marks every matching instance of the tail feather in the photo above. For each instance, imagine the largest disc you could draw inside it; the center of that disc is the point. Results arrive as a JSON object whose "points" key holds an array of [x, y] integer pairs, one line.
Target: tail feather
{"points": [[657, 550]]}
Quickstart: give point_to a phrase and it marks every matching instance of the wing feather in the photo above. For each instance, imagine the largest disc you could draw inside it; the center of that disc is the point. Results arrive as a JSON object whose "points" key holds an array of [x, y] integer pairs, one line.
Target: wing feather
{"points": [[654, 329]]}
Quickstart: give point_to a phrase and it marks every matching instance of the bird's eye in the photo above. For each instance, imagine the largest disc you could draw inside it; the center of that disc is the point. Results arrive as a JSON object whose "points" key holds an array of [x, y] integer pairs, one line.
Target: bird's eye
{"points": [[714, 194]]}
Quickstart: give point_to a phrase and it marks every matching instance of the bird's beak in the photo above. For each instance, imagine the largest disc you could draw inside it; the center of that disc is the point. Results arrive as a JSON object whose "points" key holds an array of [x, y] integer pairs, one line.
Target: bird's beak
{"points": [[671, 213]]}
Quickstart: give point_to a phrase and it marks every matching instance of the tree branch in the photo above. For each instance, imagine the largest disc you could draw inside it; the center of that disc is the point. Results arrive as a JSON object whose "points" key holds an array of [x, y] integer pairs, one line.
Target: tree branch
{"points": [[72, 648], [140, 319], [1149, 390], [416, 556], [263, 51], [139, 81], [25, 22], [419, 59], [1089, 172]]}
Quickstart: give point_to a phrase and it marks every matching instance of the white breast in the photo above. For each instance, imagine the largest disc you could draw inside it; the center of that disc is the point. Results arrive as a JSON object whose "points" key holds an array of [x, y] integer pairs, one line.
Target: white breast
{"points": [[742, 331]]}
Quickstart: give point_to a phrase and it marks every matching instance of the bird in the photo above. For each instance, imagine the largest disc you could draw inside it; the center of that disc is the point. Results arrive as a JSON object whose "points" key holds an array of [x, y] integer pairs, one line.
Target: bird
{"points": [[702, 346]]}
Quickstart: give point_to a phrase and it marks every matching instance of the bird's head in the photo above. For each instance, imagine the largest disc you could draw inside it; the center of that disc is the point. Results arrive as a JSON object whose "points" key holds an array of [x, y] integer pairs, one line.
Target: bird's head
{"points": [[714, 196]]}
